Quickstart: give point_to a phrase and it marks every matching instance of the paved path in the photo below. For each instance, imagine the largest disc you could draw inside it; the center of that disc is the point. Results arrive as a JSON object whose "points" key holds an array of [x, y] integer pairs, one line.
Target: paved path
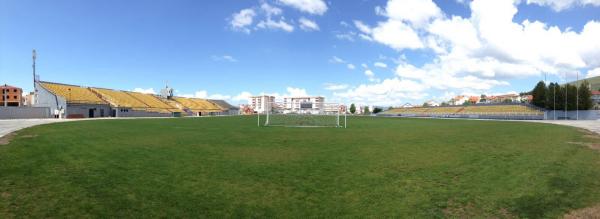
{"points": [[592, 125], [11, 125]]}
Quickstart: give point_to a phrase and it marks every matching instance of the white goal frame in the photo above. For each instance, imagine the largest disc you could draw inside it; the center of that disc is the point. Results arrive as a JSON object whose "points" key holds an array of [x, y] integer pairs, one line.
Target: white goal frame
{"points": [[335, 112]]}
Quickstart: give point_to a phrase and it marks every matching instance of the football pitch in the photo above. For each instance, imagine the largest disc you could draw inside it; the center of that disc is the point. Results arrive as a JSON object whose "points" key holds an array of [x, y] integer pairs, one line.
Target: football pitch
{"points": [[228, 167]]}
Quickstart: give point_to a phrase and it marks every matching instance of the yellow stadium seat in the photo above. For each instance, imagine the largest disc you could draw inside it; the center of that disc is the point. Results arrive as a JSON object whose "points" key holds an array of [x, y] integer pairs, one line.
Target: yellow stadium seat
{"points": [[73, 94], [197, 105]]}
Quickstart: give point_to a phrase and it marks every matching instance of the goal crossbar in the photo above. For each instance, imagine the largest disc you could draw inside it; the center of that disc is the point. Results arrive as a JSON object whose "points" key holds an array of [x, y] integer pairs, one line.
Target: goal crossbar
{"points": [[304, 115]]}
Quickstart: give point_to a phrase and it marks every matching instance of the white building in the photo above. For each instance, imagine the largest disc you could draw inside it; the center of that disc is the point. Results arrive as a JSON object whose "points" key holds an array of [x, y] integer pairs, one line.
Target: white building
{"points": [[432, 103], [458, 100], [260, 104], [313, 105]]}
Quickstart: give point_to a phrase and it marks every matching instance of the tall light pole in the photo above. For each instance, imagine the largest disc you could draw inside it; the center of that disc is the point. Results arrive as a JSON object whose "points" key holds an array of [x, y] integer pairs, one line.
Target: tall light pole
{"points": [[577, 97], [545, 96], [566, 95], [554, 101], [33, 57]]}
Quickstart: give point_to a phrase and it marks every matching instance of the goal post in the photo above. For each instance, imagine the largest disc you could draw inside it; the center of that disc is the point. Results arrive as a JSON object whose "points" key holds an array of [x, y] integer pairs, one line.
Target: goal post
{"points": [[305, 114]]}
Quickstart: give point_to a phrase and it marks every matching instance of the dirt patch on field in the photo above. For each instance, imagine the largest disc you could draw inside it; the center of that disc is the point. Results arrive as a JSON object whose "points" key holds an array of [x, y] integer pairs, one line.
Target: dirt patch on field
{"points": [[4, 140], [455, 210], [589, 134], [591, 212], [591, 145], [594, 137]]}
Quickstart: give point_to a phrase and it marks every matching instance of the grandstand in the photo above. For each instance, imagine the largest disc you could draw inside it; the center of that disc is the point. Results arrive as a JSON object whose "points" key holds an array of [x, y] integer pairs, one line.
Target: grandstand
{"points": [[73, 94], [198, 106], [154, 102], [226, 108], [87, 102], [507, 111]]}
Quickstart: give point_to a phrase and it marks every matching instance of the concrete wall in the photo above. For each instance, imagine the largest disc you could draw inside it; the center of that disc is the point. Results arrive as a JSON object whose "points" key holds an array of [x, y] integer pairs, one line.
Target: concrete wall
{"points": [[83, 110], [45, 98], [136, 113], [229, 112], [572, 115], [24, 112], [471, 116]]}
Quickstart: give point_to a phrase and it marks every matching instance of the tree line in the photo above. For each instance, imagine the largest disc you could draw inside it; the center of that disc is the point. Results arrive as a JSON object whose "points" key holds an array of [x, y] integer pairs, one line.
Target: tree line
{"points": [[569, 97], [365, 110]]}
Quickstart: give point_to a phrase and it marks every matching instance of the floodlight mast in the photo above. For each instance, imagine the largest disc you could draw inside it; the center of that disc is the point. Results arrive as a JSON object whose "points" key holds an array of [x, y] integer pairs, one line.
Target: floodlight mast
{"points": [[33, 56], [566, 96]]}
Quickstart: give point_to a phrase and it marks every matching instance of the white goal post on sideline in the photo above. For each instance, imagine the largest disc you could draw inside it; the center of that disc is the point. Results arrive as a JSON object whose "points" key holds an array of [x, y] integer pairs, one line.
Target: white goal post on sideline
{"points": [[304, 114]]}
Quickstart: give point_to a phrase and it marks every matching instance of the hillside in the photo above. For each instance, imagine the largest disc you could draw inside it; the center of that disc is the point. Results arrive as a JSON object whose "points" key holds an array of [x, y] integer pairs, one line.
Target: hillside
{"points": [[594, 82]]}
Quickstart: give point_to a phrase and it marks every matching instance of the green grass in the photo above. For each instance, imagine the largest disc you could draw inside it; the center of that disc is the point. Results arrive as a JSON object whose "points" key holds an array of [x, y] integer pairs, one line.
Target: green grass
{"points": [[228, 167]]}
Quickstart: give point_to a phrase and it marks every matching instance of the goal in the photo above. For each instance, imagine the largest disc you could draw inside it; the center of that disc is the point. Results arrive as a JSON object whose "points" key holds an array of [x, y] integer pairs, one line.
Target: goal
{"points": [[304, 114]]}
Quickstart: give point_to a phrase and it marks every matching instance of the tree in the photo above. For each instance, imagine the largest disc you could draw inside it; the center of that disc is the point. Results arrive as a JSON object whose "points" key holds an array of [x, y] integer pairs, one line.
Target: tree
{"points": [[366, 111], [377, 110], [550, 95], [560, 97], [352, 108], [572, 97], [444, 104], [483, 98], [426, 104], [539, 94], [466, 103], [585, 96]]}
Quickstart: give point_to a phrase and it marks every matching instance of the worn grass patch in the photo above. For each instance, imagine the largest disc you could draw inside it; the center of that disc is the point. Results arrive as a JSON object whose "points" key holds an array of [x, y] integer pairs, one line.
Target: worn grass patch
{"points": [[228, 167]]}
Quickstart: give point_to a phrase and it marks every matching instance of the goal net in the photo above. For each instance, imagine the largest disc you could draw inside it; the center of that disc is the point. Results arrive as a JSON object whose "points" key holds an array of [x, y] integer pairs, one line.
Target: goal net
{"points": [[304, 114]]}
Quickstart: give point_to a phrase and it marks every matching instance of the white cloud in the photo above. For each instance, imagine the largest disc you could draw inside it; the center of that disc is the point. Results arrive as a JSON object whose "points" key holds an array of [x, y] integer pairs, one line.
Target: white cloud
{"points": [[308, 25], [317, 7], [242, 97], [371, 76], [389, 92], [296, 92], [198, 94], [270, 10], [224, 58], [219, 97], [243, 19], [593, 73], [346, 36], [380, 65], [337, 60], [362, 27], [332, 86], [204, 95], [559, 5], [416, 12], [145, 91], [395, 34], [351, 66], [270, 24], [482, 52]]}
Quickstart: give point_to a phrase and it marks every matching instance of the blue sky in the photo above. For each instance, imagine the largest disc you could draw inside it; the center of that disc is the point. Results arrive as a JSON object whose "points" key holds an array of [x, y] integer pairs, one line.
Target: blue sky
{"points": [[371, 52]]}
